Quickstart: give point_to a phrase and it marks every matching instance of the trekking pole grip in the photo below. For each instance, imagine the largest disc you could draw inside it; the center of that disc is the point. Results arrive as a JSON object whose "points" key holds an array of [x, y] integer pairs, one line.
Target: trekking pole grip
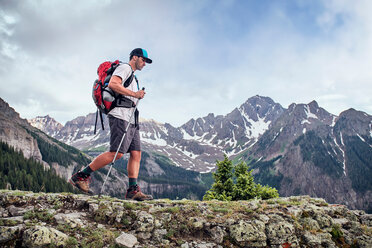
{"points": [[143, 88]]}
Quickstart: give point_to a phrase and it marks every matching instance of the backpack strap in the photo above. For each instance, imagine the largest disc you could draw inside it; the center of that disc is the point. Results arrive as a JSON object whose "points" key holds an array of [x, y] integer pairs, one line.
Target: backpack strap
{"points": [[122, 101], [101, 117], [95, 124], [130, 78]]}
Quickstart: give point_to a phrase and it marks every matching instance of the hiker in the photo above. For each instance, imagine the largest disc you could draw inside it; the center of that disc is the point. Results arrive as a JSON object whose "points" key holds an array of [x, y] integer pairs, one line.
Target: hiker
{"points": [[119, 118]]}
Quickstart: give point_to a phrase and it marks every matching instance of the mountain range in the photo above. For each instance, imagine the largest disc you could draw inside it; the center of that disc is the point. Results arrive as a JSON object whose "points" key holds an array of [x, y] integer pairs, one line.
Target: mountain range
{"points": [[302, 149], [158, 176], [194, 146]]}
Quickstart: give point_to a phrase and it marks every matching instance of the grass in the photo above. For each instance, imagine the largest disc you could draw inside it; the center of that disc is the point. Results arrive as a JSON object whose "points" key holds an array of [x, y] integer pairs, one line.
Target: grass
{"points": [[125, 222], [41, 215], [71, 242], [336, 232], [221, 210], [97, 237], [65, 228], [170, 234], [173, 210], [135, 205], [291, 202], [4, 222]]}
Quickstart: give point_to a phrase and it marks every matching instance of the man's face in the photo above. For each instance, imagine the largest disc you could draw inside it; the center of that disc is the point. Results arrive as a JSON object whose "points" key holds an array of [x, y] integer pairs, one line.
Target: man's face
{"points": [[140, 63]]}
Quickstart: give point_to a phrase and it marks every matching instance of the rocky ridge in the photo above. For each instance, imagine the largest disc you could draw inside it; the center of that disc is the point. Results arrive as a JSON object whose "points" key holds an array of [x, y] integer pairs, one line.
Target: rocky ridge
{"points": [[41, 122], [332, 153], [66, 220]]}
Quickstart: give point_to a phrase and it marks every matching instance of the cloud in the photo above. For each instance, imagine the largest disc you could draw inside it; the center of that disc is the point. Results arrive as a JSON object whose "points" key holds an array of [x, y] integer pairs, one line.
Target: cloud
{"points": [[208, 56]]}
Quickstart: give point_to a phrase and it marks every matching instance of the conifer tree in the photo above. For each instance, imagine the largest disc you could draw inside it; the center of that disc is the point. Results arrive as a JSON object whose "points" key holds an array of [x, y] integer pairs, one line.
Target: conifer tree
{"points": [[222, 188], [245, 188]]}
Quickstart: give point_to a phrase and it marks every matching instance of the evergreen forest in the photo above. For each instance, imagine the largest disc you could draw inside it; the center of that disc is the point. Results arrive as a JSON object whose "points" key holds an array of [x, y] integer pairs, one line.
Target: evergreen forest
{"points": [[20, 173], [57, 151]]}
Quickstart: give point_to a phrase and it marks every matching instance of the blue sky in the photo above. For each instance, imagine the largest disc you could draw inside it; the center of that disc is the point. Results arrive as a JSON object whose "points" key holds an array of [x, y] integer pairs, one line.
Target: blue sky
{"points": [[209, 56]]}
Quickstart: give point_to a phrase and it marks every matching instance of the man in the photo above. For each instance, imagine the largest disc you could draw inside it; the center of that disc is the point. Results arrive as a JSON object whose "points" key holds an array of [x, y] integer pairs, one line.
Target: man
{"points": [[119, 118]]}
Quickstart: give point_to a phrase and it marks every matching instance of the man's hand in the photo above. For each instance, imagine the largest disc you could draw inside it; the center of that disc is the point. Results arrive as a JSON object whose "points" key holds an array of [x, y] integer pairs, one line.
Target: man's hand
{"points": [[116, 85], [140, 94]]}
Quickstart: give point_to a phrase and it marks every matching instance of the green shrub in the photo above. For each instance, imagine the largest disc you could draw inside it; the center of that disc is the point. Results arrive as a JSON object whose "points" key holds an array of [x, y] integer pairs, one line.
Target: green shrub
{"points": [[245, 188]]}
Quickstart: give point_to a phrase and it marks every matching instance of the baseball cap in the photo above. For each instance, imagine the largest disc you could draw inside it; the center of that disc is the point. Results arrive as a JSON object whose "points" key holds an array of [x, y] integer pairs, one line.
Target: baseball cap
{"points": [[141, 53]]}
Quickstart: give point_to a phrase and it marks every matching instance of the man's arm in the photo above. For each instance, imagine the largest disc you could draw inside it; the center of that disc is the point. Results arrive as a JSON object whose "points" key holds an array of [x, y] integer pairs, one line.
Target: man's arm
{"points": [[116, 85]]}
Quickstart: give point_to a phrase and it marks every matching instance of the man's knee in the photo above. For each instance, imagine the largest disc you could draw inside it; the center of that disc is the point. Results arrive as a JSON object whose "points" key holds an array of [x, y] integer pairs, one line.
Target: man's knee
{"points": [[118, 156], [135, 155]]}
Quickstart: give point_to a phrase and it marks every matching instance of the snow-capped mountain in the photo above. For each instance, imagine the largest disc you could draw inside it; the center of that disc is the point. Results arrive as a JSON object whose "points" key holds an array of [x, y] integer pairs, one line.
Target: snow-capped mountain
{"points": [[310, 151], [194, 146], [237, 130], [41, 122]]}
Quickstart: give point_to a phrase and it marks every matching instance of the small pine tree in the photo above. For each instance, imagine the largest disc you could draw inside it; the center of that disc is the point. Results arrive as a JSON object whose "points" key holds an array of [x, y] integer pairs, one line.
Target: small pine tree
{"points": [[223, 186], [245, 188]]}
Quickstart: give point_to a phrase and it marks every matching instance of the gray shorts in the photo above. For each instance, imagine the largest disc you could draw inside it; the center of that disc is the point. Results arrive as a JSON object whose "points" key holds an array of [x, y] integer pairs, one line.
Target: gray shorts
{"points": [[132, 138]]}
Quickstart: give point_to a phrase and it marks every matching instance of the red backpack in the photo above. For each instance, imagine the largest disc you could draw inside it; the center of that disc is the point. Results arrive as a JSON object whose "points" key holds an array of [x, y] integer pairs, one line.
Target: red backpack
{"points": [[104, 98]]}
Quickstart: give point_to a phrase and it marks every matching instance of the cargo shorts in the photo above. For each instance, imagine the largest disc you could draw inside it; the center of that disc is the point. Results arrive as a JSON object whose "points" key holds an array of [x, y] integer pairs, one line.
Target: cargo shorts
{"points": [[132, 140]]}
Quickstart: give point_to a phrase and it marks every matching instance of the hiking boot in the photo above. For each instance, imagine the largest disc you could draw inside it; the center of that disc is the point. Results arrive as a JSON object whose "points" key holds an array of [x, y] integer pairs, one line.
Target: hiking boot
{"points": [[135, 193], [81, 181]]}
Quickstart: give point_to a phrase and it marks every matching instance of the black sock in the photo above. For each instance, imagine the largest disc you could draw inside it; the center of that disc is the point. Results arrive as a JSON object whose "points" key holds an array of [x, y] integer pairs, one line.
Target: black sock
{"points": [[87, 170], [132, 182]]}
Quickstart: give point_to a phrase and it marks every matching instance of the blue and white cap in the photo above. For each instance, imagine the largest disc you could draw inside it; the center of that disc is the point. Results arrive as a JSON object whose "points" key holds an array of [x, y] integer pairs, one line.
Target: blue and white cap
{"points": [[141, 53]]}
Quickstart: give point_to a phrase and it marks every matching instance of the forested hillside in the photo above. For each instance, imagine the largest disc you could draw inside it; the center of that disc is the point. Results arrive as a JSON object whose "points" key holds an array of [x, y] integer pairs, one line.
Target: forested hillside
{"points": [[18, 172], [57, 152]]}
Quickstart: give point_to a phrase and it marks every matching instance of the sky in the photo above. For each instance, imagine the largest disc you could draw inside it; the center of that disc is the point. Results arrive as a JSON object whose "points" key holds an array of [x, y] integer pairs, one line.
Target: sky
{"points": [[209, 56]]}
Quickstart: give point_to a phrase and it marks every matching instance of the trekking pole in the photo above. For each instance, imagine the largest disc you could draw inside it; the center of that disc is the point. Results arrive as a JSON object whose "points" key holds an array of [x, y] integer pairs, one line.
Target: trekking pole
{"points": [[117, 151]]}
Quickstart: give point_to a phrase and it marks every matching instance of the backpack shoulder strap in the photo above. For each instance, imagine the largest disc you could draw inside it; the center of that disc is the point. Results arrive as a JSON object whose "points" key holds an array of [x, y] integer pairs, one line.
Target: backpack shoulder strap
{"points": [[130, 78]]}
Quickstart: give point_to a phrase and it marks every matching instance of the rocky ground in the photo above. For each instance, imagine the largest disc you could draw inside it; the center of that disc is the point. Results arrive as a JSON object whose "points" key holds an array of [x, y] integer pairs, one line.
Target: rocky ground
{"points": [[66, 220]]}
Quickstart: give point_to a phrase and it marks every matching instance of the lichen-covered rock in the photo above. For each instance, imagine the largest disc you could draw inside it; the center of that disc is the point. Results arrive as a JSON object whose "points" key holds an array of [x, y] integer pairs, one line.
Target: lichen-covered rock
{"points": [[310, 224], [145, 222], [39, 236], [197, 222], [281, 232], [15, 211], [249, 233], [69, 220], [8, 233], [159, 234], [217, 234], [318, 239], [324, 221], [126, 240], [366, 219]]}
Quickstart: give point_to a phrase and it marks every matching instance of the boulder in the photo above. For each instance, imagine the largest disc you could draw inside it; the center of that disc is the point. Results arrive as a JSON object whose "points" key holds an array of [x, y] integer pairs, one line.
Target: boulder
{"points": [[39, 236], [126, 240]]}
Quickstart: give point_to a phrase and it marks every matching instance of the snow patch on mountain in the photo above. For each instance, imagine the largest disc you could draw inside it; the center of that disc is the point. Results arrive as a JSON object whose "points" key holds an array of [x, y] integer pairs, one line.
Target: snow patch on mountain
{"points": [[308, 113], [360, 137], [253, 129], [153, 141]]}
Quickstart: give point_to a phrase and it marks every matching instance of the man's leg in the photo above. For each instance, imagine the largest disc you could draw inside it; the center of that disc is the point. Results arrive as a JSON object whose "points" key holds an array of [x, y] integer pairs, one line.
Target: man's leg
{"points": [[103, 160], [134, 164], [81, 179], [134, 192], [117, 129], [133, 167]]}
